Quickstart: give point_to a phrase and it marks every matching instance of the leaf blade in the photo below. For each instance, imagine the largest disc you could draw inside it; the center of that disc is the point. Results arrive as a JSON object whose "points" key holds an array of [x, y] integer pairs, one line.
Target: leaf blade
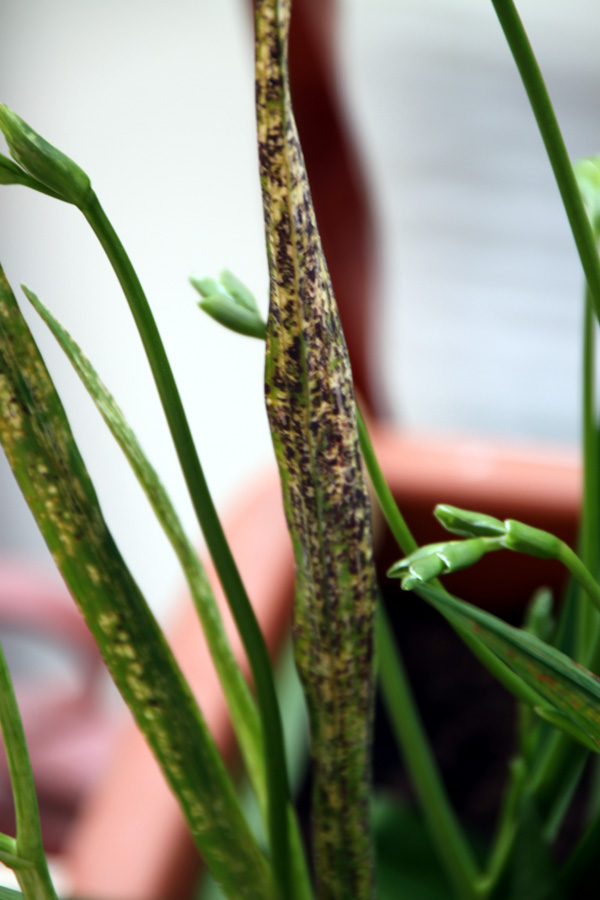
{"points": [[562, 683]]}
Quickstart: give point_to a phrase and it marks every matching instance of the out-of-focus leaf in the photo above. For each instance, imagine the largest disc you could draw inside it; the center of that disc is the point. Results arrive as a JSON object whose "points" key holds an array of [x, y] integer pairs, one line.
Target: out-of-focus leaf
{"points": [[41, 450], [406, 859], [9, 894], [565, 686], [561, 721], [538, 619], [231, 303], [533, 873]]}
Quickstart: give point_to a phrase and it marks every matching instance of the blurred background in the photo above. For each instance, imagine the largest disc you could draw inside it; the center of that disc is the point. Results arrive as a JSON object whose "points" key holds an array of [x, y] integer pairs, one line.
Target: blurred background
{"points": [[476, 301]]}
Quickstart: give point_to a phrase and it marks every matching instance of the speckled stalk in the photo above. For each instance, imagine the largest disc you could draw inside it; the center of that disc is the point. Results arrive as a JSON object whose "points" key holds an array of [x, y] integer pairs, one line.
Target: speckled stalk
{"points": [[38, 442], [310, 404]]}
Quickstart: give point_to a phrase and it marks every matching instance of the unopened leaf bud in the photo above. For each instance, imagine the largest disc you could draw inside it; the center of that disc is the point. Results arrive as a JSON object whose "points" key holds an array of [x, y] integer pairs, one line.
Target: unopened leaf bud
{"points": [[467, 523], [230, 303], [44, 162]]}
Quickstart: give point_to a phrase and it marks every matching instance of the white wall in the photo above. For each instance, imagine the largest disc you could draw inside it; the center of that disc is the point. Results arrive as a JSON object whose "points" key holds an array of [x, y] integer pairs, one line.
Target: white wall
{"points": [[482, 290], [155, 101]]}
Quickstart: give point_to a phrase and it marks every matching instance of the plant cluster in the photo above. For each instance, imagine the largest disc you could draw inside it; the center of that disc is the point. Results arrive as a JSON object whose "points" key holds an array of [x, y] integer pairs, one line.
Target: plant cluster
{"points": [[323, 450]]}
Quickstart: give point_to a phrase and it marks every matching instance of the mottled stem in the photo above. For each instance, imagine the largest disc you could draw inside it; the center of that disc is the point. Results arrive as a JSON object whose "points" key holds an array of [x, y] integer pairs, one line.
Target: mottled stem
{"points": [[310, 404]]}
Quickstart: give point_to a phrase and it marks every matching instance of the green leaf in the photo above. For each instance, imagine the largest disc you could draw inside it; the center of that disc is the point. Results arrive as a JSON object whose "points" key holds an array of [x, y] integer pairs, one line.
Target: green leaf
{"points": [[565, 686], [563, 722], [9, 894], [533, 873], [538, 619], [41, 450], [407, 862], [239, 699]]}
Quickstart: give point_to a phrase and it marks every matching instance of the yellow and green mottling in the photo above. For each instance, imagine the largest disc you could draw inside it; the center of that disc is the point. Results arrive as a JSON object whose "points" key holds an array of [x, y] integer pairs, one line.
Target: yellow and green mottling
{"points": [[38, 442], [237, 692], [310, 404]]}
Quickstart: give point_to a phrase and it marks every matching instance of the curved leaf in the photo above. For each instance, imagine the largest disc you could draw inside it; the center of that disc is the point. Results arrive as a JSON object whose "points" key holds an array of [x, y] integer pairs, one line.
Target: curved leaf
{"points": [[567, 687]]}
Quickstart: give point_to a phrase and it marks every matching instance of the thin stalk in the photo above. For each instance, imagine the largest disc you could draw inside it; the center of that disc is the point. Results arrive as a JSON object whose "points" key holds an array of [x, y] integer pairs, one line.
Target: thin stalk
{"points": [[590, 515], [30, 864], [563, 794], [582, 856], [254, 644], [452, 847], [407, 544], [541, 105], [579, 571], [583, 236], [548, 769], [506, 831], [559, 756], [590, 525], [386, 501], [446, 830]]}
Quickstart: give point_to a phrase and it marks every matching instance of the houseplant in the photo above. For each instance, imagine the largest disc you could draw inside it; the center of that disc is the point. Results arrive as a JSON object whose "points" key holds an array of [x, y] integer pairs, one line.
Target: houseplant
{"points": [[313, 423]]}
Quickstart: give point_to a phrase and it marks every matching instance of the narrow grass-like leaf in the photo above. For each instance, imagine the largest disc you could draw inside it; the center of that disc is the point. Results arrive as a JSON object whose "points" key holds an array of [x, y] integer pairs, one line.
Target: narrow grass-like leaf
{"points": [[38, 442], [563, 722], [565, 686], [241, 704], [25, 854], [9, 894], [310, 404], [533, 873]]}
